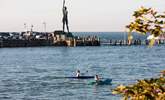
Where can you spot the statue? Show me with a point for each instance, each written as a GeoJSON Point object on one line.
{"type": "Point", "coordinates": [65, 17]}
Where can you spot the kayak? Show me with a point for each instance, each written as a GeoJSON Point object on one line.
{"type": "Point", "coordinates": [102, 82]}
{"type": "Point", "coordinates": [81, 77]}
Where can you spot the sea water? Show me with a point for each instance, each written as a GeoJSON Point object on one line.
{"type": "Point", "coordinates": [34, 73]}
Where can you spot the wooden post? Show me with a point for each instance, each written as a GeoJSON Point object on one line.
{"type": "Point", "coordinates": [130, 37]}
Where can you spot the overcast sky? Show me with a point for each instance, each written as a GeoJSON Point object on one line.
{"type": "Point", "coordinates": [84, 15]}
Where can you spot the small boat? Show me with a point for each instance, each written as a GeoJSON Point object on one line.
{"type": "Point", "coordinates": [81, 77]}
{"type": "Point", "coordinates": [102, 82]}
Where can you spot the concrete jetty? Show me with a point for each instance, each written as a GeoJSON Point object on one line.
{"type": "Point", "coordinates": [56, 38]}
{"type": "Point", "coordinates": [67, 39]}
{"type": "Point", "coordinates": [60, 38]}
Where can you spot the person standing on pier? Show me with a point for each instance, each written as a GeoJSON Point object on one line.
{"type": "Point", "coordinates": [65, 17]}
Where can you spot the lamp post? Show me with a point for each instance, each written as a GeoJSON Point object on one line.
{"type": "Point", "coordinates": [32, 28]}
{"type": "Point", "coordinates": [44, 24]}
{"type": "Point", "coordinates": [25, 27]}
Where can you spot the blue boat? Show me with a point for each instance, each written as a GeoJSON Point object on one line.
{"type": "Point", "coordinates": [81, 77]}
{"type": "Point", "coordinates": [102, 82]}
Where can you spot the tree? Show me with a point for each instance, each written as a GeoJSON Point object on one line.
{"type": "Point", "coordinates": [147, 20]}
{"type": "Point", "coordinates": [147, 89]}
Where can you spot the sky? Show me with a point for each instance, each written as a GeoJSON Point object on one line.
{"type": "Point", "coordinates": [83, 15]}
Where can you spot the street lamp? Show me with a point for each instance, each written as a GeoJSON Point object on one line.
{"type": "Point", "coordinates": [44, 23]}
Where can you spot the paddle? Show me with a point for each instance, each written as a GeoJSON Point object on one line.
{"type": "Point", "coordinates": [84, 73]}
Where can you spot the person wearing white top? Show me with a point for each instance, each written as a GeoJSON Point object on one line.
{"type": "Point", "coordinates": [97, 79]}
{"type": "Point", "coordinates": [78, 73]}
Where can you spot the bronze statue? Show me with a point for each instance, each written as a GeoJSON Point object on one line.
{"type": "Point", "coordinates": [65, 17]}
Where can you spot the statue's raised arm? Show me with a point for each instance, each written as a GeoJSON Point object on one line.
{"type": "Point", "coordinates": [63, 4]}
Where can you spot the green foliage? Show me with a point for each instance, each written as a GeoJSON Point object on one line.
{"type": "Point", "coordinates": [147, 89]}
{"type": "Point", "coordinates": [147, 20]}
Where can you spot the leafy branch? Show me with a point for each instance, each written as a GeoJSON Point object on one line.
{"type": "Point", "coordinates": [147, 20]}
{"type": "Point", "coordinates": [147, 89]}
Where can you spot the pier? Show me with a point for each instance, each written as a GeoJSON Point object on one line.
{"type": "Point", "coordinates": [133, 42]}
{"type": "Point", "coordinates": [56, 38]}
{"type": "Point", "coordinates": [67, 39]}
{"type": "Point", "coordinates": [60, 38]}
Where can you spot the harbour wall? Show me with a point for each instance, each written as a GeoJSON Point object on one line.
{"type": "Point", "coordinates": [56, 38]}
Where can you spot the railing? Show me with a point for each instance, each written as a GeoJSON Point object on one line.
{"type": "Point", "coordinates": [125, 42]}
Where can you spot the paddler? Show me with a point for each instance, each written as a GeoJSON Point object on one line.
{"type": "Point", "coordinates": [78, 73]}
{"type": "Point", "coordinates": [97, 79]}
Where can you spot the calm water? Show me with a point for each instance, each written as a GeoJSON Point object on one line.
{"type": "Point", "coordinates": [31, 73]}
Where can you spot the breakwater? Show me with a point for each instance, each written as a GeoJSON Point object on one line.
{"type": "Point", "coordinates": [24, 43]}
{"type": "Point", "coordinates": [57, 38]}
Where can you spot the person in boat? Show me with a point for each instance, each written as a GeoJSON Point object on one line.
{"type": "Point", "coordinates": [96, 78]}
{"type": "Point", "coordinates": [78, 73]}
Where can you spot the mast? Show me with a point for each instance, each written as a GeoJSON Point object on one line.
{"type": "Point", "coordinates": [44, 23]}
{"type": "Point", "coordinates": [25, 27]}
